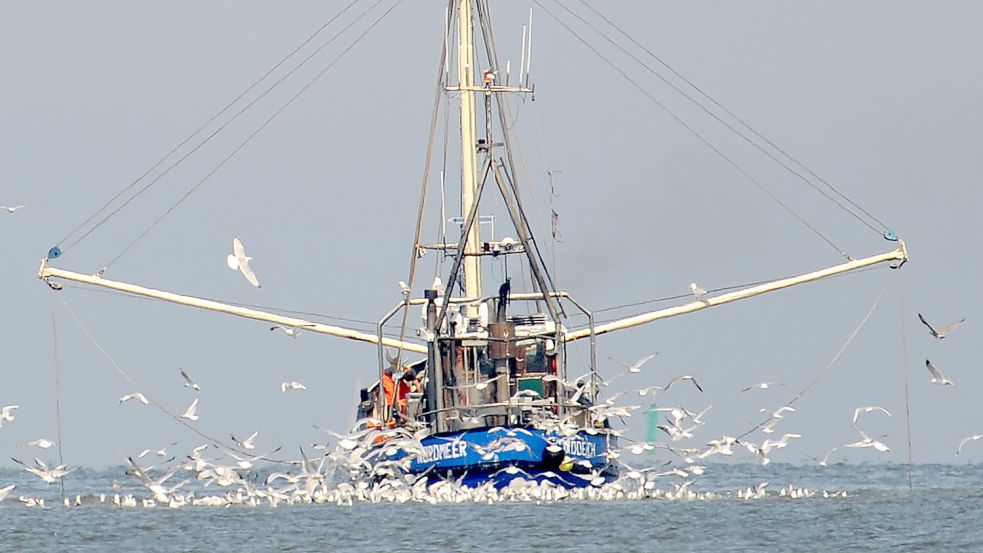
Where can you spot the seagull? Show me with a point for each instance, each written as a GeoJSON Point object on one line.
{"type": "Point", "coordinates": [188, 383]}
{"type": "Point", "coordinates": [869, 442]}
{"type": "Point", "coordinates": [937, 377]}
{"type": "Point", "coordinates": [11, 209]}
{"type": "Point", "coordinates": [292, 385]}
{"type": "Point", "coordinates": [867, 409]}
{"type": "Point", "coordinates": [404, 289]}
{"type": "Point", "coordinates": [826, 458]}
{"type": "Point", "coordinates": [681, 378]}
{"type": "Point", "coordinates": [760, 386]}
{"type": "Point", "coordinates": [137, 396]}
{"type": "Point", "coordinates": [972, 438]}
{"type": "Point", "coordinates": [190, 413]}
{"type": "Point", "coordinates": [248, 442]}
{"type": "Point", "coordinates": [293, 331]}
{"type": "Point", "coordinates": [5, 413]}
{"type": "Point", "coordinates": [637, 367]}
{"type": "Point", "coordinates": [43, 472]}
{"type": "Point", "coordinates": [42, 443]}
{"type": "Point", "coordinates": [700, 293]}
{"type": "Point", "coordinates": [5, 491]}
{"type": "Point", "coordinates": [238, 261]}
{"type": "Point", "coordinates": [940, 334]}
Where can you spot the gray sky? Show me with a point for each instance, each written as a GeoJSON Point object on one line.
{"type": "Point", "coordinates": [882, 99]}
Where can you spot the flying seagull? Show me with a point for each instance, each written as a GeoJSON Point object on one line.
{"type": "Point", "coordinates": [826, 458]}
{"type": "Point", "coordinates": [11, 209]}
{"type": "Point", "coordinates": [42, 443]}
{"type": "Point", "coordinates": [940, 334]}
{"type": "Point", "coordinates": [5, 413]}
{"type": "Point", "coordinates": [137, 396]}
{"type": "Point", "coordinates": [292, 385]}
{"type": "Point", "coordinates": [191, 413]}
{"type": "Point", "coordinates": [248, 442]}
{"type": "Point", "coordinates": [937, 377]}
{"type": "Point", "coordinates": [188, 383]}
{"type": "Point", "coordinates": [700, 293]}
{"type": "Point", "coordinates": [238, 261]}
{"type": "Point", "coordinates": [972, 438]}
{"type": "Point", "coordinates": [682, 377]}
{"type": "Point", "coordinates": [293, 331]}
{"type": "Point", "coordinates": [867, 409]}
{"type": "Point", "coordinates": [760, 386]}
{"type": "Point", "coordinates": [637, 367]}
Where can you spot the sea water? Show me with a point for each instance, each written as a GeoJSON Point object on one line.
{"type": "Point", "coordinates": [942, 510]}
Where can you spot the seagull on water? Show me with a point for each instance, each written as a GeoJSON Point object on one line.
{"type": "Point", "coordinates": [137, 396]}
{"type": "Point", "coordinates": [239, 261]}
{"type": "Point", "coordinates": [292, 385]}
{"type": "Point", "coordinates": [937, 377]}
{"type": "Point", "coordinates": [11, 209]}
{"type": "Point", "coordinates": [191, 412]}
{"type": "Point", "coordinates": [940, 334]}
{"type": "Point", "coordinates": [972, 438]}
{"type": "Point", "coordinates": [5, 413]}
{"type": "Point", "coordinates": [867, 409]}
{"type": "Point", "coordinates": [188, 383]}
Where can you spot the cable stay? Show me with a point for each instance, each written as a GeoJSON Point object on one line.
{"type": "Point", "coordinates": [57, 250]}
{"type": "Point", "coordinates": [692, 130]}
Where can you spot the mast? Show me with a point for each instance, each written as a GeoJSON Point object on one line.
{"type": "Point", "coordinates": [472, 262]}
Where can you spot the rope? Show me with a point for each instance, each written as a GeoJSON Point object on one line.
{"type": "Point", "coordinates": [149, 398]}
{"type": "Point", "coordinates": [198, 130]}
{"type": "Point", "coordinates": [832, 361]}
{"type": "Point", "coordinates": [418, 231]}
{"type": "Point", "coordinates": [263, 125]}
{"type": "Point", "coordinates": [695, 133]}
{"type": "Point", "coordinates": [904, 375]}
{"type": "Point", "coordinates": [57, 367]}
{"type": "Point", "coordinates": [743, 136]}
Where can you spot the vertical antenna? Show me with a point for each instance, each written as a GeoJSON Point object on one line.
{"type": "Point", "coordinates": [522, 57]}
{"type": "Point", "coordinates": [529, 49]}
{"type": "Point", "coordinates": [443, 210]}
{"type": "Point", "coordinates": [61, 458]}
{"type": "Point", "coordinates": [447, 44]}
{"type": "Point", "coordinates": [508, 69]}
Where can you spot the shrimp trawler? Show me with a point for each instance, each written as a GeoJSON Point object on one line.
{"type": "Point", "coordinates": [495, 401]}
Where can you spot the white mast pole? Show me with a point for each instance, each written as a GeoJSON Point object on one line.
{"type": "Point", "coordinates": [47, 272]}
{"type": "Point", "coordinates": [472, 263]}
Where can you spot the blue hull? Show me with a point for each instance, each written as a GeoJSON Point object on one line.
{"type": "Point", "coordinates": [500, 455]}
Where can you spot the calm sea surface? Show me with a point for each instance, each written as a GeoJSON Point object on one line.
{"type": "Point", "coordinates": [943, 512]}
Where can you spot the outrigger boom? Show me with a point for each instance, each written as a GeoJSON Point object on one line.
{"type": "Point", "coordinates": [45, 272]}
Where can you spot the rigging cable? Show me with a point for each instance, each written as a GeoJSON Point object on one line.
{"type": "Point", "coordinates": [198, 130]}
{"type": "Point", "coordinates": [832, 361]}
{"type": "Point", "coordinates": [258, 129]}
{"type": "Point", "coordinates": [904, 374]}
{"type": "Point", "coordinates": [736, 117]}
{"type": "Point", "coordinates": [57, 367]}
{"type": "Point", "coordinates": [157, 404]}
{"type": "Point", "coordinates": [695, 133]}
{"type": "Point", "coordinates": [418, 231]}
{"type": "Point", "coordinates": [727, 125]}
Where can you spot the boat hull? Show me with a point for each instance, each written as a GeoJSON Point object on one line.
{"type": "Point", "coordinates": [500, 455]}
